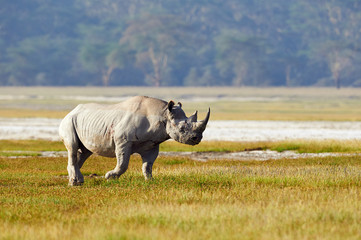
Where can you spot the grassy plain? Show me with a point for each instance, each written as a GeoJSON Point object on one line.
{"type": "Point", "coordinates": [308, 198]}
{"type": "Point", "coordinates": [284, 199]}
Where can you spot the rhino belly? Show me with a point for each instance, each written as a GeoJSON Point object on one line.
{"type": "Point", "coordinates": [100, 146]}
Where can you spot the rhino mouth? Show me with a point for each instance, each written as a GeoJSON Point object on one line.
{"type": "Point", "coordinates": [194, 140]}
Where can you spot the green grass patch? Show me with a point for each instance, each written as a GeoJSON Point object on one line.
{"type": "Point", "coordinates": [9, 147]}
{"type": "Point", "coordinates": [317, 146]}
{"type": "Point", "coordinates": [31, 145]}
{"type": "Point", "coordinates": [205, 146]}
{"type": "Point", "coordinates": [301, 146]}
{"type": "Point", "coordinates": [19, 154]}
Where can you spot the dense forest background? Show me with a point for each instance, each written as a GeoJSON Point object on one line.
{"type": "Point", "coordinates": [180, 42]}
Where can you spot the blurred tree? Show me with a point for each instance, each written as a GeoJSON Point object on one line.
{"type": "Point", "coordinates": [156, 40]}
{"type": "Point", "coordinates": [39, 42]}
{"type": "Point", "coordinates": [39, 61]}
{"type": "Point", "coordinates": [180, 42]}
{"type": "Point", "coordinates": [330, 33]}
{"type": "Point", "coordinates": [241, 57]}
{"type": "Point", "coordinates": [94, 51]}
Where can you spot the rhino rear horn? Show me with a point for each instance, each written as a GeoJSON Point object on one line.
{"type": "Point", "coordinates": [201, 125]}
{"type": "Point", "coordinates": [193, 117]}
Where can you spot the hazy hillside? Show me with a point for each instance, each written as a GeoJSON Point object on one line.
{"type": "Point", "coordinates": [180, 43]}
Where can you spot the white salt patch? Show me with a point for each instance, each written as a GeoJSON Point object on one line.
{"type": "Point", "coordinates": [281, 130]}
{"type": "Point", "coordinates": [44, 128]}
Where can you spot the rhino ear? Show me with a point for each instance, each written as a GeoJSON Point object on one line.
{"type": "Point", "coordinates": [180, 104]}
{"type": "Point", "coordinates": [170, 105]}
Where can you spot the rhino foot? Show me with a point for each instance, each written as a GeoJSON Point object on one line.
{"type": "Point", "coordinates": [75, 182]}
{"type": "Point", "coordinates": [111, 175]}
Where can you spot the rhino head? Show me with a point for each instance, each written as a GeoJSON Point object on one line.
{"type": "Point", "coordinates": [184, 129]}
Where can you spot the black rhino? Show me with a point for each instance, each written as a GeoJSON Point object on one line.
{"type": "Point", "coordinates": [137, 125]}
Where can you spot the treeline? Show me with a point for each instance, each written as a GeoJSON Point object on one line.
{"type": "Point", "coordinates": [180, 43]}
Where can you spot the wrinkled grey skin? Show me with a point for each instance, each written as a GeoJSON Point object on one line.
{"type": "Point", "coordinates": [137, 125]}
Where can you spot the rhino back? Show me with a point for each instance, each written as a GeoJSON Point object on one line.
{"type": "Point", "coordinates": [144, 105]}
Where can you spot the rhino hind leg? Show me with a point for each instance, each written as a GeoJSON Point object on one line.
{"type": "Point", "coordinates": [122, 152]}
{"type": "Point", "coordinates": [72, 144]}
{"type": "Point", "coordinates": [83, 154]}
{"type": "Point", "coordinates": [75, 176]}
{"type": "Point", "coordinates": [149, 158]}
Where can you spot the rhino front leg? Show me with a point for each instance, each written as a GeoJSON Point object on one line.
{"type": "Point", "coordinates": [122, 152]}
{"type": "Point", "coordinates": [148, 158]}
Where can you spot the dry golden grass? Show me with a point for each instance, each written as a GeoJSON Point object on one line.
{"type": "Point", "coordinates": [32, 113]}
{"type": "Point", "coordinates": [225, 103]}
{"type": "Point", "coordinates": [215, 115]}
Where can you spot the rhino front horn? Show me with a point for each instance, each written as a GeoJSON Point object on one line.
{"type": "Point", "coordinates": [201, 125]}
